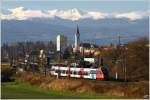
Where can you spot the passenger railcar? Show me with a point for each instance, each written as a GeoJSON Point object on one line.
{"type": "Point", "coordinates": [89, 73]}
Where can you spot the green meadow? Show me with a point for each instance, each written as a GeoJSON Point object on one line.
{"type": "Point", "coordinates": [17, 90]}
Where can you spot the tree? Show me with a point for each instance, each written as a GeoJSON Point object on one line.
{"type": "Point", "coordinates": [66, 54]}
{"type": "Point", "coordinates": [137, 56]}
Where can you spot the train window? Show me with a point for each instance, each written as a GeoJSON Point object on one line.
{"type": "Point", "coordinates": [57, 71]}
{"type": "Point", "coordinates": [63, 71]}
{"type": "Point", "coordinates": [85, 73]}
{"type": "Point", "coordinates": [67, 72]}
{"type": "Point", "coordinates": [75, 72]}
{"type": "Point", "coordinates": [80, 73]}
{"type": "Point", "coordinates": [71, 72]}
{"type": "Point", "coordinates": [52, 69]}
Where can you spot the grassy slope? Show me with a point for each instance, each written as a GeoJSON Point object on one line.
{"type": "Point", "coordinates": [17, 90]}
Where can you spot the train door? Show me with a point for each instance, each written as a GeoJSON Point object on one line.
{"type": "Point", "coordinates": [93, 74]}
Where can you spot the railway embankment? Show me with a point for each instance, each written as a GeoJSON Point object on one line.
{"type": "Point", "coordinates": [124, 89]}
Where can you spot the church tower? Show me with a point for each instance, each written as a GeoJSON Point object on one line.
{"type": "Point", "coordinates": [77, 39]}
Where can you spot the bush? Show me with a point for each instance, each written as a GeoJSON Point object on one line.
{"type": "Point", "coordinates": [137, 57]}
{"type": "Point", "coordinates": [7, 74]}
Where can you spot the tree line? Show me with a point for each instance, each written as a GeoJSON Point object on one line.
{"type": "Point", "coordinates": [131, 61]}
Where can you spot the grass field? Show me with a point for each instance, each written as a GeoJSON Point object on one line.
{"type": "Point", "coordinates": [17, 90]}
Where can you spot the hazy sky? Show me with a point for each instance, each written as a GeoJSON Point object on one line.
{"type": "Point", "coordinates": [101, 5]}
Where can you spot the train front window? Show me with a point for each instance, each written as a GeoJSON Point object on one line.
{"type": "Point", "coordinates": [95, 72]}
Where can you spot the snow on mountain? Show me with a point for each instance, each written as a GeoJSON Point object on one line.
{"type": "Point", "coordinates": [21, 13]}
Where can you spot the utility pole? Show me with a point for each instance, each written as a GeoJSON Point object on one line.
{"type": "Point", "coordinates": [125, 65]}
{"type": "Point", "coordinates": [69, 72]}
{"type": "Point", "coordinates": [24, 52]}
{"type": "Point", "coordinates": [119, 38]}
{"type": "Point", "coordinates": [83, 53]}
{"type": "Point", "coordinates": [125, 71]}
{"type": "Point", "coordinates": [119, 53]}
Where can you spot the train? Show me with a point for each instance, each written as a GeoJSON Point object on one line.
{"type": "Point", "coordinates": [87, 73]}
{"type": "Point", "coordinates": [78, 69]}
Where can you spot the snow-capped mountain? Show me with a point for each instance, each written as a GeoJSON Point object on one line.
{"type": "Point", "coordinates": [22, 24]}
{"type": "Point", "coordinates": [21, 13]}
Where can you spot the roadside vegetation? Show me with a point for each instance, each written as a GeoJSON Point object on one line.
{"type": "Point", "coordinates": [7, 73]}
{"type": "Point", "coordinates": [83, 86]}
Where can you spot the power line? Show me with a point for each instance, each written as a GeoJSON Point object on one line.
{"type": "Point", "coordinates": [113, 37]}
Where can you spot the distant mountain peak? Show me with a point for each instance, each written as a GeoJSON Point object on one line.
{"type": "Point", "coordinates": [22, 13]}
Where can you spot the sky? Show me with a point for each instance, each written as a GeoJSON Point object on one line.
{"type": "Point", "coordinates": [96, 5]}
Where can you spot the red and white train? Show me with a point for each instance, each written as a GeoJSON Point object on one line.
{"type": "Point", "coordinates": [88, 73]}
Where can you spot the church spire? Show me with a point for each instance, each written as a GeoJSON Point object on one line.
{"type": "Point", "coordinates": [78, 30]}
{"type": "Point", "coordinates": [77, 39]}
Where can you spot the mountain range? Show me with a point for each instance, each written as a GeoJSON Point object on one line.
{"type": "Point", "coordinates": [101, 30]}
